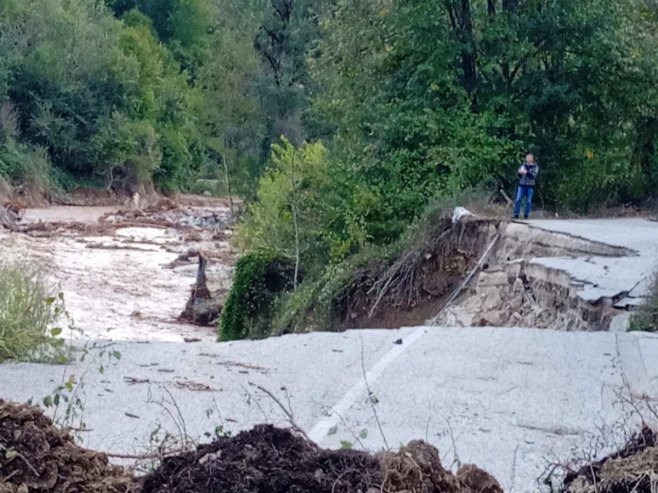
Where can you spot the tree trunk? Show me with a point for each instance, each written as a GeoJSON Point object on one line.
{"type": "Point", "coordinates": [228, 184]}
{"type": "Point", "coordinates": [510, 6]}
{"type": "Point", "coordinates": [461, 22]}
{"type": "Point", "coordinates": [295, 219]}
{"type": "Point", "coordinates": [469, 55]}
{"type": "Point", "coordinates": [202, 308]}
{"type": "Point", "coordinates": [8, 218]}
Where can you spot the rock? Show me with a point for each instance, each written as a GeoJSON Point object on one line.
{"type": "Point", "coordinates": [492, 301]}
{"type": "Point", "coordinates": [492, 280]}
{"type": "Point", "coordinates": [204, 312]}
{"type": "Point", "coordinates": [459, 213]}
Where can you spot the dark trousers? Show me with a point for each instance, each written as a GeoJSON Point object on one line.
{"type": "Point", "coordinates": [524, 191]}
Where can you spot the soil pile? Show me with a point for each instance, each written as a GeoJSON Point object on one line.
{"type": "Point", "coordinates": [37, 457]}
{"type": "Point", "coordinates": [633, 468]}
{"type": "Point", "coordinates": [267, 459]}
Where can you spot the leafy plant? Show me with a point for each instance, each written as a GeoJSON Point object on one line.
{"type": "Point", "coordinates": [258, 279]}
{"type": "Point", "coordinates": [30, 315]}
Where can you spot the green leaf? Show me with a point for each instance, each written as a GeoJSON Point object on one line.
{"type": "Point", "coordinates": [363, 434]}
{"type": "Point", "coordinates": [47, 401]}
{"type": "Point", "coordinates": [333, 430]}
{"type": "Point", "coordinates": [345, 445]}
{"type": "Point", "coordinates": [55, 332]}
{"type": "Point", "coordinates": [117, 355]}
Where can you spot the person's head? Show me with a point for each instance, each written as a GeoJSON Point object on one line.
{"type": "Point", "coordinates": [529, 158]}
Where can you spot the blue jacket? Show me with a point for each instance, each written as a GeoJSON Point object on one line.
{"type": "Point", "coordinates": [529, 179]}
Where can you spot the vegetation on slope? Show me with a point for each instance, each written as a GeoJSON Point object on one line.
{"type": "Point", "coordinates": [422, 100]}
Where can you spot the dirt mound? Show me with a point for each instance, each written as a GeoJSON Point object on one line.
{"type": "Point", "coordinates": [633, 468]}
{"type": "Point", "coordinates": [272, 460]}
{"type": "Point", "coordinates": [35, 456]}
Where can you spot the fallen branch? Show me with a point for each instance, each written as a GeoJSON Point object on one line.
{"type": "Point", "coordinates": [372, 399]}
{"type": "Point", "coordinates": [287, 412]}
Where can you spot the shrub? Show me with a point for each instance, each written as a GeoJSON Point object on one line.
{"type": "Point", "coordinates": [258, 280]}
{"type": "Point", "coordinates": [646, 317]}
{"type": "Point", "coordinates": [29, 313]}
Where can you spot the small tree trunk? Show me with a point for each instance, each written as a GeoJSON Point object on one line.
{"type": "Point", "coordinates": [228, 184]}
{"type": "Point", "coordinates": [8, 218]}
{"type": "Point", "coordinates": [295, 220]}
{"type": "Point", "coordinates": [201, 288]}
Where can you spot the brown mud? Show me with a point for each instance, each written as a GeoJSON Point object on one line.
{"type": "Point", "coordinates": [413, 288]}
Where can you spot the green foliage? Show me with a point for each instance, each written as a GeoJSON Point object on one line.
{"type": "Point", "coordinates": [97, 93]}
{"type": "Point", "coordinates": [30, 166]}
{"type": "Point", "coordinates": [257, 281]}
{"type": "Point", "coordinates": [427, 97]}
{"type": "Point", "coordinates": [29, 315]}
{"type": "Point", "coordinates": [645, 319]}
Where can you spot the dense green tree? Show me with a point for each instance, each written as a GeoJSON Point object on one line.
{"type": "Point", "coordinates": [184, 25]}
{"type": "Point", "coordinates": [428, 96]}
{"type": "Point", "coordinates": [98, 94]}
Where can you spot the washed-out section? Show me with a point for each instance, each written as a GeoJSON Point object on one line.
{"type": "Point", "coordinates": [540, 278]}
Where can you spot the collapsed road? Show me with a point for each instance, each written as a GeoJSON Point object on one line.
{"type": "Point", "coordinates": [511, 400]}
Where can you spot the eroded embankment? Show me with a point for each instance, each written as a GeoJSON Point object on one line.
{"type": "Point", "coordinates": [486, 272]}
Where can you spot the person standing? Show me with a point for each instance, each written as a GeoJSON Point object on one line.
{"type": "Point", "coordinates": [527, 178]}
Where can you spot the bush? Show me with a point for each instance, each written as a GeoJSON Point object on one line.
{"type": "Point", "coordinates": [258, 280]}
{"type": "Point", "coordinates": [29, 313]}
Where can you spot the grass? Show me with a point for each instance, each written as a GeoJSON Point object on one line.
{"type": "Point", "coordinates": [30, 311]}
{"type": "Point", "coordinates": [645, 319]}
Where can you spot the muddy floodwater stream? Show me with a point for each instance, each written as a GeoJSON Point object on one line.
{"type": "Point", "coordinates": [126, 275]}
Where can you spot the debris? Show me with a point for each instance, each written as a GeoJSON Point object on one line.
{"type": "Point", "coordinates": [185, 384]}
{"type": "Point", "coordinates": [134, 381]}
{"type": "Point", "coordinates": [632, 468]}
{"type": "Point", "coordinates": [267, 459]}
{"type": "Point", "coordinates": [191, 339]}
{"type": "Point", "coordinates": [35, 456]}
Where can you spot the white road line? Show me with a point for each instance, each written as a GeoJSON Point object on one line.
{"type": "Point", "coordinates": [321, 429]}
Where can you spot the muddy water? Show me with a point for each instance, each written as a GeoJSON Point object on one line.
{"type": "Point", "coordinates": [119, 283]}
